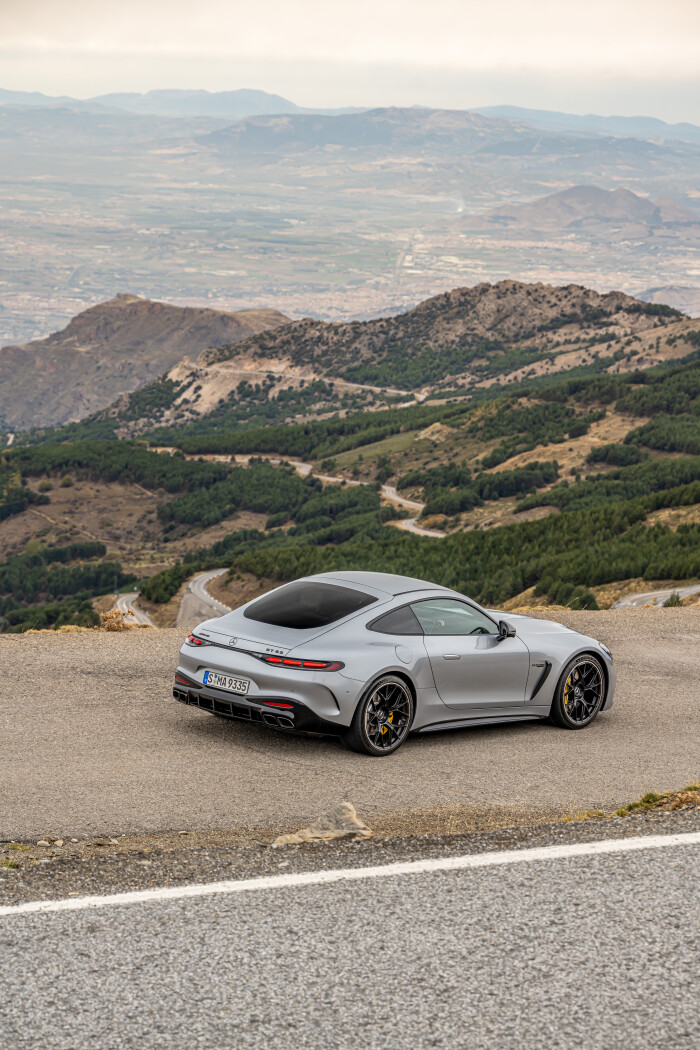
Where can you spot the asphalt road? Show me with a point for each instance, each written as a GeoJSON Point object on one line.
{"type": "Point", "coordinates": [655, 597]}
{"type": "Point", "coordinates": [93, 743]}
{"type": "Point", "coordinates": [410, 524]}
{"type": "Point", "coordinates": [197, 604]}
{"type": "Point", "coordinates": [594, 951]}
{"type": "Point", "coordinates": [128, 603]}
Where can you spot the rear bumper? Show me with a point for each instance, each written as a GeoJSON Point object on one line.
{"type": "Point", "coordinates": [296, 718]}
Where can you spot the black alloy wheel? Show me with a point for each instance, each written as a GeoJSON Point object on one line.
{"type": "Point", "coordinates": [383, 718]}
{"type": "Point", "coordinates": [580, 693]}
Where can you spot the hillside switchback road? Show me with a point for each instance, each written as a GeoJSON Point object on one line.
{"type": "Point", "coordinates": [127, 603]}
{"type": "Point", "coordinates": [197, 603]}
{"type": "Point", "coordinates": [92, 742]}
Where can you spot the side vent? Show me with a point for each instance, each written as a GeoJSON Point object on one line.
{"type": "Point", "coordinates": [541, 680]}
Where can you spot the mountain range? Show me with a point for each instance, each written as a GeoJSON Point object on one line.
{"type": "Point", "coordinates": [109, 350]}
{"type": "Point", "coordinates": [198, 362]}
{"type": "Point", "coordinates": [246, 102]}
{"type": "Point", "coordinates": [631, 127]}
{"type": "Point", "coordinates": [549, 432]}
{"type": "Point", "coordinates": [231, 105]}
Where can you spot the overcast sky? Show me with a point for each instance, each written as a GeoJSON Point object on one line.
{"type": "Point", "coordinates": [610, 56]}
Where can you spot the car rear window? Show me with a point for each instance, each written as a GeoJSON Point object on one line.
{"type": "Point", "coordinates": [302, 606]}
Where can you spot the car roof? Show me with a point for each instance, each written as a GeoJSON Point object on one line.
{"type": "Point", "coordinates": [387, 582]}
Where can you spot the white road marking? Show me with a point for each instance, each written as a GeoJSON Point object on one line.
{"type": "Point", "coordinates": [311, 878]}
{"type": "Point", "coordinates": [126, 603]}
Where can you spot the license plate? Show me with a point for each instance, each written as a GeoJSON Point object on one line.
{"type": "Point", "coordinates": [225, 681]}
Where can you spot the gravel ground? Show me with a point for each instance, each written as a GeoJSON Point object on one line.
{"type": "Point", "coordinates": [92, 743]}
{"type": "Point", "coordinates": [594, 952]}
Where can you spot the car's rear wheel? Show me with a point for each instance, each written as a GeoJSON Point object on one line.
{"type": "Point", "coordinates": [579, 694]}
{"type": "Point", "coordinates": [382, 719]}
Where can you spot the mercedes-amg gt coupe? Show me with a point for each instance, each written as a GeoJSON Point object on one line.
{"type": "Point", "coordinates": [372, 657]}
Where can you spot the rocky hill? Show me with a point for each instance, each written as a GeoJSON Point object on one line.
{"type": "Point", "coordinates": [113, 348]}
{"type": "Point", "coordinates": [466, 335]}
{"type": "Point", "coordinates": [585, 208]}
{"type": "Point", "coordinates": [462, 340]}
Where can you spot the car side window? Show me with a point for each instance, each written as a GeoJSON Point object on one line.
{"type": "Point", "coordinates": [448, 616]}
{"type": "Point", "coordinates": [399, 621]}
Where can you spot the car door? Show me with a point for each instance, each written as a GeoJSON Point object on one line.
{"type": "Point", "coordinates": [475, 669]}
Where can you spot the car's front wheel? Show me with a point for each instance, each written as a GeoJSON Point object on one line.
{"type": "Point", "coordinates": [383, 718]}
{"type": "Point", "coordinates": [580, 693]}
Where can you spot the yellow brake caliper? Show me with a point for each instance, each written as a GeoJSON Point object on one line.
{"type": "Point", "coordinates": [389, 719]}
{"type": "Point", "coordinates": [566, 690]}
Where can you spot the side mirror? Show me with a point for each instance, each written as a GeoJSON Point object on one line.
{"type": "Point", "coordinates": [505, 630]}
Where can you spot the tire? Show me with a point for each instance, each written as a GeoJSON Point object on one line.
{"type": "Point", "coordinates": [383, 718]}
{"type": "Point", "coordinates": [580, 693]}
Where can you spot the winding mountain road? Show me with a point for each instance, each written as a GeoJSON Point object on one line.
{"type": "Point", "coordinates": [409, 524]}
{"type": "Point", "coordinates": [126, 603]}
{"type": "Point", "coordinates": [197, 603]}
{"type": "Point", "coordinates": [634, 601]}
{"type": "Point", "coordinates": [388, 492]}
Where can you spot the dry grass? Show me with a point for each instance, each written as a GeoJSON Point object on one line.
{"type": "Point", "coordinates": [675, 516]}
{"type": "Point", "coordinates": [113, 620]}
{"type": "Point", "coordinates": [666, 802]}
{"type": "Point", "coordinates": [116, 620]}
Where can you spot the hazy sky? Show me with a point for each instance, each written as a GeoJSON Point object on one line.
{"type": "Point", "coordinates": [621, 56]}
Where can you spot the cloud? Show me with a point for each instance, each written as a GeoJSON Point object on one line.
{"type": "Point", "coordinates": [644, 39]}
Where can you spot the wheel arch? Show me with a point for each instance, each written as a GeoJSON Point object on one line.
{"type": "Point", "coordinates": [395, 672]}
{"type": "Point", "coordinates": [606, 671]}
{"type": "Point", "coordinates": [586, 652]}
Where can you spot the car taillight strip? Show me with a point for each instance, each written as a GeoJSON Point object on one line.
{"type": "Point", "coordinates": [303, 665]}
{"type": "Point", "coordinates": [192, 639]}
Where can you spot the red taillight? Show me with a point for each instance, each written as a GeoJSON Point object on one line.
{"type": "Point", "coordinates": [182, 681]}
{"type": "Point", "coordinates": [304, 665]}
{"type": "Point", "coordinates": [192, 639]}
{"type": "Point", "coordinates": [271, 703]}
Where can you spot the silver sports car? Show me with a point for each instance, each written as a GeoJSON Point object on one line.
{"type": "Point", "coordinates": [373, 657]}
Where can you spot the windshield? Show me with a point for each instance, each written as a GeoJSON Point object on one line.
{"type": "Point", "coordinates": [305, 605]}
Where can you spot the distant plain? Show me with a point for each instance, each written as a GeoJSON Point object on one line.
{"type": "Point", "coordinates": [353, 220]}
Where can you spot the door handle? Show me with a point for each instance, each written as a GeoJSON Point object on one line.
{"type": "Point", "coordinates": [451, 656]}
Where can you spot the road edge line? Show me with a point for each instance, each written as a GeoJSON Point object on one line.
{"type": "Point", "coordinates": [309, 878]}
